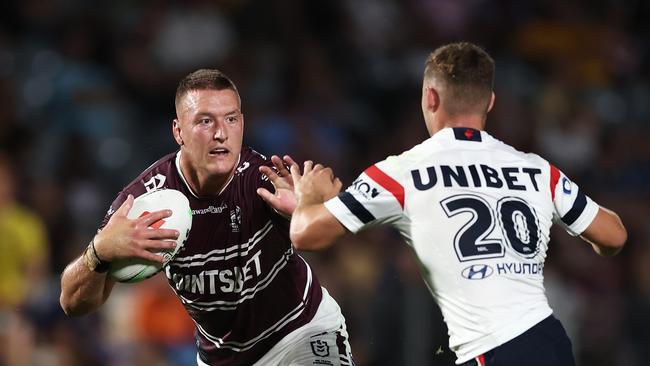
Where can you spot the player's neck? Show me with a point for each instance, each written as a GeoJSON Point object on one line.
{"type": "Point", "coordinates": [201, 183]}
{"type": "Point", "coordinates": [475, 121]}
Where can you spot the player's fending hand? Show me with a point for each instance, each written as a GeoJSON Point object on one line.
{"type": "Point", "coordinates": [128, 238]}
{"type": "Point", "coordinates": [316, 184]}
{"type": "Point", "coordinates": [284, 199]}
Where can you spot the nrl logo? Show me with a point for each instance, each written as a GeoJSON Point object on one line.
{"type": "Point", "coordinates": [320, 348]}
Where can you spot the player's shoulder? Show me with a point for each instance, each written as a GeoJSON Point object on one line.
{"type": "Point", "coordinates": [395, 165]}
{"type": "Point", "coordinates": [249, 162]}
{"type": "Point", "coordinates": [247, 172]}
{"type": "Point", "coordinates": [507, 149]}
{"type": "Point", "coordinates": [157, 175]}
{"type": "Point", "coordinates": [411, 156]}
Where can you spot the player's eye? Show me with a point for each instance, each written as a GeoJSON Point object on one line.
{"type": "Point", "coordinates": [232, 119]}
{"type": "Point", "coordinates": [205, 121]}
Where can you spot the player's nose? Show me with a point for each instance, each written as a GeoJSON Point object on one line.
{"type": "Point", "coordinates": [220, 134]}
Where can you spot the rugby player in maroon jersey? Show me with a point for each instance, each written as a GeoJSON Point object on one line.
{"type": "Point", "coordinates": [252, 298]}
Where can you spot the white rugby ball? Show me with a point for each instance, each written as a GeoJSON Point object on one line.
{"type": "Point", "coordinates": [138, 269]}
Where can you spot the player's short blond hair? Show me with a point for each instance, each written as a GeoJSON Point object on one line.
{"type": "Point", "coordinates": [465, 73]}
{"type": "Point", "coordinates": [204, 79]}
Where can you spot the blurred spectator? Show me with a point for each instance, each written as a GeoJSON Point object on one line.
{"type": "Point", "coordinates": [23, 270]}
{"type": "Point", "coordinates": [23, 244]}
{"type": "Point", "coordinates": [161, 322]}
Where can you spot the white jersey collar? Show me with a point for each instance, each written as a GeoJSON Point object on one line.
{"type": "Point", "coordinates": [180, 173]}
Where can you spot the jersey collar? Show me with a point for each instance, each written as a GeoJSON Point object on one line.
{"type": "Point", "coordinates": [460, 134]}
{"type": "Point", "coordinates": [180, 173]}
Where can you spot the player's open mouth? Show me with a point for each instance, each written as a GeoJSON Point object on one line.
{"type": "Point", "coordinates": [218, 152]}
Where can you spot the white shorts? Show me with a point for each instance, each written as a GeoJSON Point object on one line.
{"type": "Point", "coordinates": [321, 342]}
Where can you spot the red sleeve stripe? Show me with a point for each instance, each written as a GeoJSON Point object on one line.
{"type": "Point", "coordinates": [480, 360]}
{"type": "Point", "coordinates": [555, 177]}
{"type": "Point", "coordinates": [387, 182]}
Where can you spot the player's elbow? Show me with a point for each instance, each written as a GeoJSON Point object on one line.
{"type": "Point", "coordinates": [614, 242]}
{"type": "Point", "coordinates": [617, 240]}
{"type": "Point", "coordinates": [618, 235]}
{"type": "Point", "coordinates": [74, 307]}
{"type": "Point", "coordinates": [68, 306]}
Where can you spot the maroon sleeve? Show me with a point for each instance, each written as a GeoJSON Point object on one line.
{"type": "Point", "coordinates": [136, 188]}
{"type": "Point", "coordinates": [119, 200]}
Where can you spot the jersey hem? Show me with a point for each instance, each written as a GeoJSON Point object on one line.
{"type": "Point", "coordinates": [497, 339]}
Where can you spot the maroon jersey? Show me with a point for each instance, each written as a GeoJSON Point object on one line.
{"type": "Point", "coordinates": [237, 275]}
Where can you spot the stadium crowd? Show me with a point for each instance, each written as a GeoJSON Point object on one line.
{"type": "Point", "coordinates": [85, 104]}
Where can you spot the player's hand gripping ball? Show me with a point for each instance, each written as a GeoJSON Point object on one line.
{"type": "Point", "coordinates": [138, 269]}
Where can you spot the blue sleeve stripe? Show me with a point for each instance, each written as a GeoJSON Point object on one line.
{"type": "Point", "coordinates": [578, 208]}
{"type": "Point", "coordinates": [356, 207]}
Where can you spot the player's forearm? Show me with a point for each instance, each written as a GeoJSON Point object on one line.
{"type": "Point", "coordinates": [82, 290]}
{"type": "Point", "coordinates": [605, 251]}
{"type": "Point", "coordinates": [312, 227]}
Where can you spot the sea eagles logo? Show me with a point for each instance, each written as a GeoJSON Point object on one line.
{"type": "Point", "coordinates": [320, 348]}
{"type": "Point", "coordinates": [235, 219]}
{"type": "Point", "coordinates": [477, 272]}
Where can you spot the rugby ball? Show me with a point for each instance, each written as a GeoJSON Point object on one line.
{"type": "Point", "coordinates": [138, 269]}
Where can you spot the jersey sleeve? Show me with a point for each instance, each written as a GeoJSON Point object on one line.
{"type": "Point", "coordinates": [572, 209]}
{"type": "Point", "coordinates": [119, 200]}
{"type": "Point", "coordinates": [375, 197]}
{"type": "Point", "coordinates": [136, 190]}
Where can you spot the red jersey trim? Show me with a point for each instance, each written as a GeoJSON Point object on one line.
{"type": "Point", "coordinates": [387, 182]}
{"type": "Point", "coordinates": [555, 177]}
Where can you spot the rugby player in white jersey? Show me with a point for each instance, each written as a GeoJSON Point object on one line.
{"type": "Point", "coordinates": [477, 213]}
{"type": "Point", "coordinates": [253, 299]}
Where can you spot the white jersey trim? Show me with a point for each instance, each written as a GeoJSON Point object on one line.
{"type": "Point", "coordinates": [245, 345]}
{"type": "Point", "coordinates": [248, 293]}
{"type": "Point", "coordinates": [210, 256]}
{"type": "Point", "coordinates": [343, 214]}
{"type": "Point", "coordinates": [180, 173]}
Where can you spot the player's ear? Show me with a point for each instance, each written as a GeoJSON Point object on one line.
{"type": "Point", "coordinates": [432, 99]}
{"type": "Point", "coordinates": [492, 98]}
{"type": "Point", "coordinates": [176, 130]}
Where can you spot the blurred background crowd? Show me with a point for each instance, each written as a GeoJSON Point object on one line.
{"type": "Point", "coordinates": [86, 103]}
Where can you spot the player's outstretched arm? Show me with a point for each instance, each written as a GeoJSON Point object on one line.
{"type": "Point", "coordinates": [606, 233]}
{"type": "Point", "coordinates": [313, 227]}
{"type": "Point", "coordinates": [84, 290]}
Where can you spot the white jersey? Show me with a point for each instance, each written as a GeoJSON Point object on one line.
{"type": "Point", "coordinates": [477, 213]}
